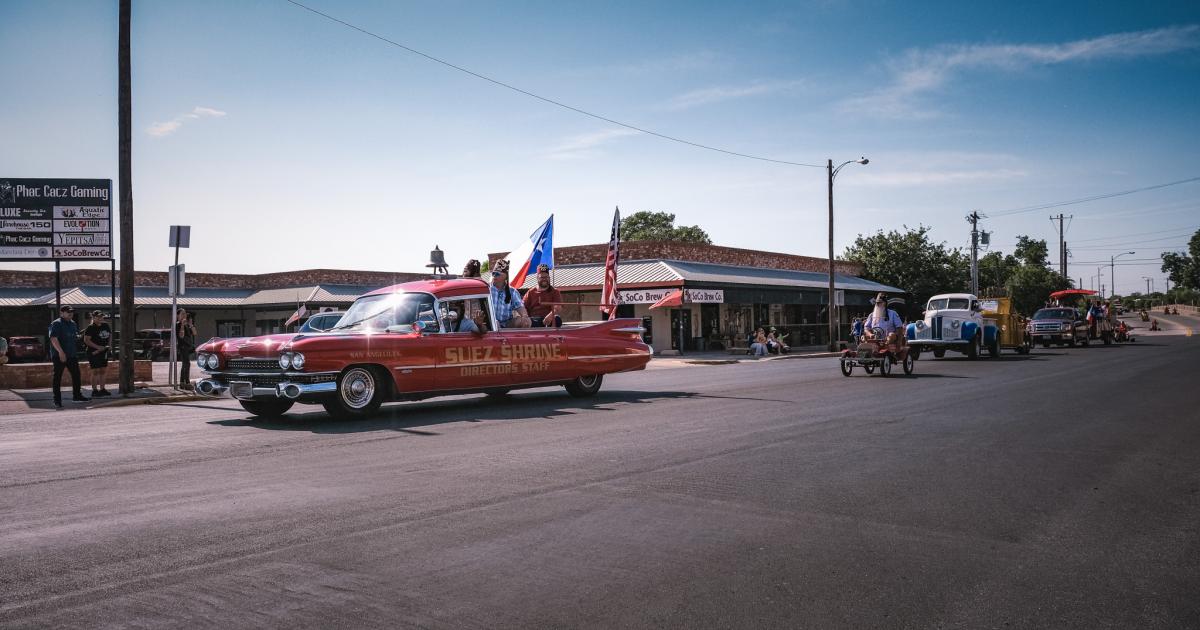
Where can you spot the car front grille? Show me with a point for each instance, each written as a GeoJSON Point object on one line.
{"type": "Point", "coordinates": [1049, 327]}
{"type": "Point", "coordinates": [937, 328]}
{"type": "Point", "coordinates": [273, 379]}
{"type": "Point", "coordinates": [254, 364]}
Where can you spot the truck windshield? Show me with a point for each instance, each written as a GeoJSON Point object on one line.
{"type": "Point", "coordinates": [1055, 313]}
{"type": "Point", "coordinates": [941, 304]}
{"type": "Point", "coordinates": [377, 312]}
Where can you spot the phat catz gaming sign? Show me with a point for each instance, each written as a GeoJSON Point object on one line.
{"type": "Point", "coordinates": [55, 219]}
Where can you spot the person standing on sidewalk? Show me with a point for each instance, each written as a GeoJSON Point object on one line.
{"type": "Point", "coordinates": [97, 338]}
{"type": "Point", "coordinates": [185, 343]}
{"type": "Point", "coordinates": [63, 333]}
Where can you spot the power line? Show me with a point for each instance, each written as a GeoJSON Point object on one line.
{"type": "Point", "coordinates": [543, 98]}
{"type": "Point", "coordinates": [1181, 230]}
{"type": "Point", "coordinates": [1003, 213]}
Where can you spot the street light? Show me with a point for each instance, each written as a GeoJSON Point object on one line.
{"type": "Point", "coordinates": [1112, 274]}
{"type": "Point", "coordinates": [833, 172]}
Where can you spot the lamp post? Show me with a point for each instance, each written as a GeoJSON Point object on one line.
{"type": "Point", "coordinates": [833, 172]}
{"type": "Point", "coordinates": [1112, 274]}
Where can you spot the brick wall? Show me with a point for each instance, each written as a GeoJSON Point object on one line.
{"type": "Point", "coordinates": [695, 252]}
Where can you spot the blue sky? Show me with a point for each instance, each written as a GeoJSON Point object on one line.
{"type": "Point", "coordinates": [289, 142]}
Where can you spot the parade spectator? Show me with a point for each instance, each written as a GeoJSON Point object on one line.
{"type": "Point", "coordinates": [775, 342]}
{"type": "Point", "coordinates": [471, 269]}
{"type": "Point", "coordinates": [509, 308]}
{"type": "Point", "coordinates": [543, 301]}
{"type": "Point", "coordinates": [185, 344]}
{"type": "Point", "coordinates": [97, 337]}
{"type": "Point", "coordinates": [759, 346]}
{"type": "Point", "coordinates": [63, 333]}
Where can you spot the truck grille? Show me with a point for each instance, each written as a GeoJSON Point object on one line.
{"type": "Point", "coordinates": [1049, 327]}
{"type": "Point", "coordinates": [254, 364]}
{"type": "Point", "coordinates": [936, 333]}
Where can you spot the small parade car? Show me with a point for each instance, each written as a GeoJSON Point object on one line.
{"type": "Point", "coordinates": [953, 321]}
{"type": "Point", "coordinates": [409, 342]}
{"type": "Point", "coordinates": [876, 353]}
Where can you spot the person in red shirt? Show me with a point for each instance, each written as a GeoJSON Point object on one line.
{"type": "Point", "coordinates": [544, 301]}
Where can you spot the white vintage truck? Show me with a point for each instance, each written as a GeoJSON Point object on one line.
{"type": "Point", "coordinates": [954, 321]}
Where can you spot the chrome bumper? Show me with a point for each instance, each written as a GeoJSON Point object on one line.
{"type": "Point", "coordinates": [244, 390]}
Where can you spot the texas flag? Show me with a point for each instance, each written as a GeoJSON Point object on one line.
{"type": "Point", "coordinates": [538, 250]}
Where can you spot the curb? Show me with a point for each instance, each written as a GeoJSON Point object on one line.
{"type": "Point", "coordinates": [150, 400]}
{"type": "Point", "coordinates": [785, 357]}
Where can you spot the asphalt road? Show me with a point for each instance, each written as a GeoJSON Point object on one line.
{"type": "Point", "coordinates": [1056, 490]}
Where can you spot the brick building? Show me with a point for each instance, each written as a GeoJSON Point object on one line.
{"type": "Point", "coordinates": [728, 292]}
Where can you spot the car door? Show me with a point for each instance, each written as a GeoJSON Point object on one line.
{"type": "Point", "coordinates": [470, 360]}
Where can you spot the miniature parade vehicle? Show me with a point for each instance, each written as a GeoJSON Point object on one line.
{"type": "Point", "coordinates": [953, 321]}
{"type": "Point", "coordinates": [413, 341]}
{"type": "Point", "coordinates": [878, 352]}
{"type": "Point", "coordinates": [1012, 329]}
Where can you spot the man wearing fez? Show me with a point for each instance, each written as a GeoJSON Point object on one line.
{"type": "Point", "coordinates": [544, 301]}
{"type": "Point", "coordinates": [506, 300]}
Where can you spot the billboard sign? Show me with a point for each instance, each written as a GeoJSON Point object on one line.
{"type": "Point", "coordinates": [55, 219]}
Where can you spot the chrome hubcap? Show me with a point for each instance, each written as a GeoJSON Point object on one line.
{"type": "Point", "coordinates": [358, 388]}
{"type": "Point", "coordinates": [587, 381]}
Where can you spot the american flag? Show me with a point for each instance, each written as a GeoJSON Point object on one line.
{"type": "Point", "coordinates": [609, 297]}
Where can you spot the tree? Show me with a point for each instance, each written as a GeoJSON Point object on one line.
{"type": "Point", "coordinates": [911, 261]}
{"type": "Point", "coordinates": [995, 269]}
{"type": "Point", "coordinates": [1031, 251]}
{"type": "Point", "coordinates": [660, 226]}
{"type": "Point", "coordinates": [1184, 269]}
{"type": "Point", "coordinates": [1031, 282]}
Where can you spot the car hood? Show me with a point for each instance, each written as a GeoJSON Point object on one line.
{"type": "Point", "coordinates": [956, 313]}
{"type": "Point", "coordinates": [266, 346]}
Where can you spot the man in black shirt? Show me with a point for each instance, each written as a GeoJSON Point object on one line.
{"type": "Point", "coordinates": [62, 353]}
{"type": "Point", "coordinates": [97, 338]}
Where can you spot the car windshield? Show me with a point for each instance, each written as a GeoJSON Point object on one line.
{"type": "Point", "coordinates": [1055, 313]}
{"type": "Point", "coordinates": [318, 323]}
{"type": "Point", "coordinates": [377, 312]}
{"type": "Point", "coordinates": [941, 304]}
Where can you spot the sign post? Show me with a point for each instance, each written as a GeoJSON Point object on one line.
{"type": "Point", "coordinates": [181, 236]}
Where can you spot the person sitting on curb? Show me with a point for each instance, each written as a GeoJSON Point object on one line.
{"type": "Point", "coordinates": [759, 346]}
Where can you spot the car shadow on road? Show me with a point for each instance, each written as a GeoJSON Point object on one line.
{"type": "Point", "coordinates": [411, 417]}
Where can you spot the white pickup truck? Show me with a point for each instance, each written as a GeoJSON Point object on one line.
{"type": "Point", "coordinates": [953, 321]}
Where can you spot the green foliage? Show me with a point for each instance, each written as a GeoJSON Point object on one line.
{"type": "Point", "coordinates": [660, 226]}
{"type": "Point", "coordinates": [911, 261]}
{"type": "Point", "coordinates": [1184, 269]}
{"type": "Point", "coordinates": [1030, 286]}
{"type": "Point", "coordinates": [994, 270]}
{"type": "Point", "coordinates": [1031, 251]}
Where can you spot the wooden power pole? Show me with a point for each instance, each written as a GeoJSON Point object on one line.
{"type": "Point", "coordinates": [125, 171]}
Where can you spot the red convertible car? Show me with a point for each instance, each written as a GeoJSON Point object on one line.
{"type": "Point", "coordinates": [413, 341]}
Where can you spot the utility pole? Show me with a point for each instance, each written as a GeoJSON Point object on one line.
{"type": "Point", "coordinates": [1062, 244]}
{"type": "Point", "coordinates": [833, 328]}
{"type": "Point", "coordinates": [973, 218]}
{"type": "Point", "coordinates": [125, 171]}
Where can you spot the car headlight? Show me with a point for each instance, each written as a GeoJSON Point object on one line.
{"type": "Point", "coordinates": [213, 362]}
{"type": "Point", "coordinates": [298, 361]}
{"type": "Point", "coordinates": [201, 360]}
{"type": "Point", "coordinates": [285, 360]}
{"type": "Point", "coordinates": [955, 324]}
{"type": "Point", "coordinates": [1065, 327]}
{"type": "Point", "coordinates": [920, 325]}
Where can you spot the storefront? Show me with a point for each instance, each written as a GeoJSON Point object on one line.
{"type": "Point", "coordinates": [722, 304]}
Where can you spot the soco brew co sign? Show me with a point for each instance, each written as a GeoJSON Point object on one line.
{"type": "Point", "coordinates": [650, 296]}
{"type": "Point", "coordinates": [55, 219]}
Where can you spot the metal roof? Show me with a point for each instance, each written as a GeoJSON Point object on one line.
{"type": "Point", "coordinates": [339, 293]}
{"type": "Point", "coordinates": [20, 296]}
{"type": "Point", "coordinates": [101, 296]}
{"type": "Point", "coordinates": [672, 272]}
{"type": "Point", "coordinates": [631, 272]}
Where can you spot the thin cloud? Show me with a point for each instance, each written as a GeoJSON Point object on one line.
{"type": "Point", "coordinates": [919, 72]}
{"type": "Point", "coordinates": [901, 179]}
{"type": "Point", "coordinates": [585, 145]}
{"type": "Point", "coordinates": [717, 94]}
{"type": "Point", "coordinates": [160, 129]}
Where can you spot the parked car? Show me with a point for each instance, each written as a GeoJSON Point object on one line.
{"type": "Point", "coordinates": [953, 321]}
{"type": "Point", "coordinates": [321, 322]}
{"type": "Point", "coordinates": [414, 341]}
{"type": "Point", "coordinates": [1061, 325]}
{"type": "Point", "coordinates": [152, 343]}
{"type": "Point", "coordinates": [26, 349]}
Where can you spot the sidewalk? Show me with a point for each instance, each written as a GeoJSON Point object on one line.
{"type": "Point", "coordinates": [15, 401]}
{"type": "Point", "coordinates": [724, 357]}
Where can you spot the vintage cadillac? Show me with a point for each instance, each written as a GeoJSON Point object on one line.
{"type": "Point", "coordinates": [404, 343]}
{"type": "Point", "coordinates": [953, 321]}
